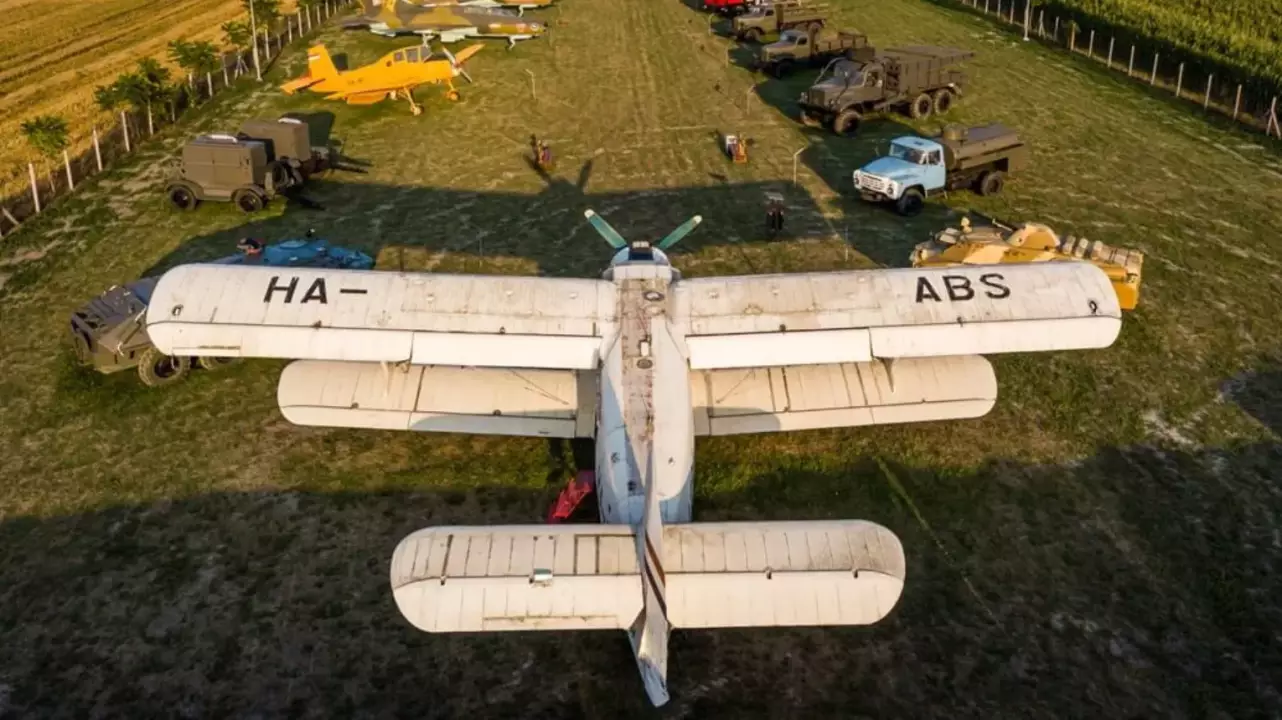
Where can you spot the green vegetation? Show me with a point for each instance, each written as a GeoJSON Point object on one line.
{"type": "Point", "coordinates": [1242, 36]}
{"type": "Point", "coordinates": [1103, 544]}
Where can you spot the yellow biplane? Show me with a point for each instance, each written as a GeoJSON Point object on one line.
{"type": "Point", "coordinates": [396, 73]}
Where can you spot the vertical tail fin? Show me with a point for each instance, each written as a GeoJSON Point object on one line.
{"type": "Point", "coordinates": [320, 66]}
{"type": "Point", "coordinates": [649, 633]}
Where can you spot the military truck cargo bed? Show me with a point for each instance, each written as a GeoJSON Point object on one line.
{"type": "Point", "coordinates": [979, 146]}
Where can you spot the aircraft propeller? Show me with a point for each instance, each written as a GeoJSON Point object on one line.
{"type": "Point", "coordinates": [455, 63]}
{"type": "Point", "coordinates": [617, 242]}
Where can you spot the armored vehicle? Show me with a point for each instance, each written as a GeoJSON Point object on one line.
{"type": "Point", "coordinates": [109, 333]}
{"type": "Point", "coordinates": [797, 48]}
{"type": "Point", "coordinates": [1032, 242]}
{"type": "Point", "coordinates": [918, 79]}
{"type": "Point", "coordinates": [777, 17]}
{"type": "Point", "coordinates": [917, 167]}
{"type": "Point", "coordinates": [289, 149]}
{"type": "Point", "coordinates": [228, 168]}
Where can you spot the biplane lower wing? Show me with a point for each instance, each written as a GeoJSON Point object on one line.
{"type": "Point", "coordinates": [715, 575]}
{"type": "Point", "coordinates": [484, 401]}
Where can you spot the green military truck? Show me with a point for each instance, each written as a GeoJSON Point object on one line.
{"type": "Point", "coordinates": [797, 48]}
{"type": "Point", "coordinates": [921, 80]}
{"type": "Point", "coordinates": [778, 17]}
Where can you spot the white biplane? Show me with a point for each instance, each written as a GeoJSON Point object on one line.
{"type": "Point", "coordinates": [643, 361]}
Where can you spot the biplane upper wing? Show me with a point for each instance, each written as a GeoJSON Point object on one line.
{"type": "Point", "coordinates": [380, 316]}
{"type": "Point", "coordinates": [841, 349]}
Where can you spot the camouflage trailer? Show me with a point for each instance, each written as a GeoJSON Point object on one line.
{"type": "Point", "coordinates": [226, 168]}
{"type": "Point", "coordinates": [109, 333]}
{"type": "Point", "coordinates": [797, 48]}
{"type": "Point", "coordinates": [289, 149]}
{"type": "Point", "coordinates": [920, 80]}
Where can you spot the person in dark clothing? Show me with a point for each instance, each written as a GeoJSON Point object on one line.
{"type": "Point", "coordinates": [774, 214]}
{"type": "Point", "coordinates": [253, 247]}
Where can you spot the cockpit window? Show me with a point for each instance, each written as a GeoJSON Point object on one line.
{"type": "Point", "coordinates": [907, 154]}
{"type": "Point", "coordinates": [412, 55]}
{"type": "Point", "coordinates": [399, 57]}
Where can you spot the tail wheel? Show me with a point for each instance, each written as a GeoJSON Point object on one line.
{"type": "Point", "coordinates": [846, 123]}
{"type": "Point", "coordinates": [991, 182]}
{"type": "Point", "coordinates": [248, 201]}
{"type": "Point", "coordinates": [910, 203]}
{"type": "Point", "coordinates": [183, 197]}
{"type": "Point", "coordinates": [452, 95]}
{"type": "Point", "coordinates": [943, 101]}
{"type": "Point", "coordinates": [157, 369]}
{"type": "Point", "coordinates": [921, 106]}
{"type": "Point", "coordinates": [206, 362]}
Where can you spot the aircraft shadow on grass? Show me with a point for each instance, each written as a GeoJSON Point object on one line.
{"type": "Point", "coordinates": [277, 603]}
{"type": "Point", "coordinates": [547, 228]}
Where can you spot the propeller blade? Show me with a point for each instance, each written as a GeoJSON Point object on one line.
{"type": "Point", "coordinates": [463, 72]}
{"type": "Point", "coordinates": [449, 55]}
{"type": "Point", "coordinates": [676, 235]}
{"type": "Point", "coordinates": [604, 230]}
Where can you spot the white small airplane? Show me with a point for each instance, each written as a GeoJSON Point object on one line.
{"type": "Point", "coordinates": [643, 361]}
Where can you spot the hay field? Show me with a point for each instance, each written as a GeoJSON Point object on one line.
{"type": "Point", "coordinates": [56, 53]}
{"type": "Point", "coordinates": [1103, 544]}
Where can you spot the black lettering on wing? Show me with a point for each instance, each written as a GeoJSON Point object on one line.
{"type": "Point", "coordinates": [274, 286]}
{"type": "Point", "coordinates": [924, 290]}
{"type": "Point", "coordinates": [958, 288]}
{"type": "Point", "coordinates": [997, 290]}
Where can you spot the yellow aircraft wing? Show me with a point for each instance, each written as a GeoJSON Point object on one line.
{"type": "Point", "coordinates": [359, 98]}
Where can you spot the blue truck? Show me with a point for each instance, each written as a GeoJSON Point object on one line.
{"type": "Point", "coordinates": [978, 158]}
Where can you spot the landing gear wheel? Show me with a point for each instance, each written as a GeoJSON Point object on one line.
{"type": "Point", "coordinates": [416, 110]}
{"type": "Point", "coordinates": [846, 122]}
{"type": "Point", "coordinates": [452, 95]}
{"type": "Point", "coordinates": [248, 201]}
{"type": "Point", "coordinates": [910, 203]}
{"type": "Point", "coordinates": [921, 106]}
{"type": "Point", "coordinates": [157, 369]}
{"type": "Point", "coordinates": [182, 197]}
{"type": "Point", "coordinates": [206, 362]}
{"type": "Point", "coordinates": [943, 101]}
{"type": "Point", "coordinates": [991, 182]}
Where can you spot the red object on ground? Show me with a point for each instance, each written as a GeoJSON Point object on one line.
{"type": "Point", "coordinates": [720, 5]}
{"type": "Point", "coordinates": [572, 496]}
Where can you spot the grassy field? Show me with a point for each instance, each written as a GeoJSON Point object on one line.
{"type": "Point", "coordinates": [1104, 544]}
{"type": "Point", "coordinates": [56, 53]}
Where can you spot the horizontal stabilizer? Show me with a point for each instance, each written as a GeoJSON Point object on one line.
{"type": "Point", "coordinates": [485, 401]}
{"type": "Point", "coordinates": [738, 574]}
{"type": "Point", "coordinates": [805, 397]}
{"type": "Point", "coordinates": [380, 316]}
{"type": "Point", "coordinates": [855, 316]}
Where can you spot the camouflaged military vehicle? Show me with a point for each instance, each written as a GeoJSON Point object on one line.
{"type": "Point", "coordinates": [918, 79]}
{"type": "Point", "coordinates": [797, 48]}
{"type": "Point", "coordinates": [289, 149]}
{"type": "Point", "coordinates": [778, 16]}
{"type": "Point", "coordinates": [227, 168]}
{"type": "Point", "coordinates": [109, 333]}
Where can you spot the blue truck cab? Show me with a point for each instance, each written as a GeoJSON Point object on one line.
{"type": "Point", "coordinates": [918, 167]}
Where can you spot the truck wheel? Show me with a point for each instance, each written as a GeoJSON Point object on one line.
{"type": "Point", "coordinates": [910, 203]}
{"type": "Point", "coordinates": [846, 123]}
{"type": "Point", "coordinates": [280, 174]}
{"type": "Point", "coordinates": [943, 101]}
{"type": "Point", "coordinates": [781, 68]}
{"type": "Point", "coordinates": [920, 108]}
{"type": "Point", "coordinates": [183, 197]}
{"type": "Point", "coordinates": [991, 182]}
{"type": "Point", "coordinates": [157, 369]}
{"type": "Point", "coordinates": [206, 362]}
{"type": "Point", "coordinates": [810, 120]}
{"type": "Point", "coordinates": [813, 28]}
{"type": "Point", "coordinates": [752, 35]}
{"type": "Point", "coordinates": [248, 201]}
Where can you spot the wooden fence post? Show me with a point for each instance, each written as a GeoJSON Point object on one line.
{"type": "Point", "coordinates": [1206, 101]}
{"type": "Point", "coordinates": [1041, 23]}
{"type": "Point", "coordinates": [1152, 80]}
{"type": "Point", "coordinates": [1130, 67]}
{"type": "Point", "coordinates": [66, 163]}
{"type": "Point", "coordinates": [209, 83]}
{"type": "Point", "coordinates": [1179, 81]}
{"type": "Point", "coordinates": [35, 191]}
{"type": "Point", "coordinates": [226, 81]}
{"type": "Point", "coordinates": [1055, 32]}
{"type": "Point", "coordinates": [97, 150]}
{"type": "Point", "coordinates": [1237, 103]}
{"type": "Point", "coordinates": [1072, 39]}
{"type": "Point", "coordinates": [985, 7]}
{"type": "Point", "coordinates": [124, 126]}
{"type": "Point", "coordinates": [1090, 46]}
{"type": "Point", "coordinates": [1273, 119]}
{"type": "Point", "coordinates": [1110, 53]}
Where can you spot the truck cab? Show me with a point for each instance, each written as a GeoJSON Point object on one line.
{"type": "Point", "coordinates": [912, 162]}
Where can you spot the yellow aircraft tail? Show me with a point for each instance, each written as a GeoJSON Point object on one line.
{"type": "Point", "coordinates": [320, 66]}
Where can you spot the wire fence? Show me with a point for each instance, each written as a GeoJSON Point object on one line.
{"type": "Point", "coordinates": [1251, 102]}
{"type": "Point", "coordinates": [131, 128]}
